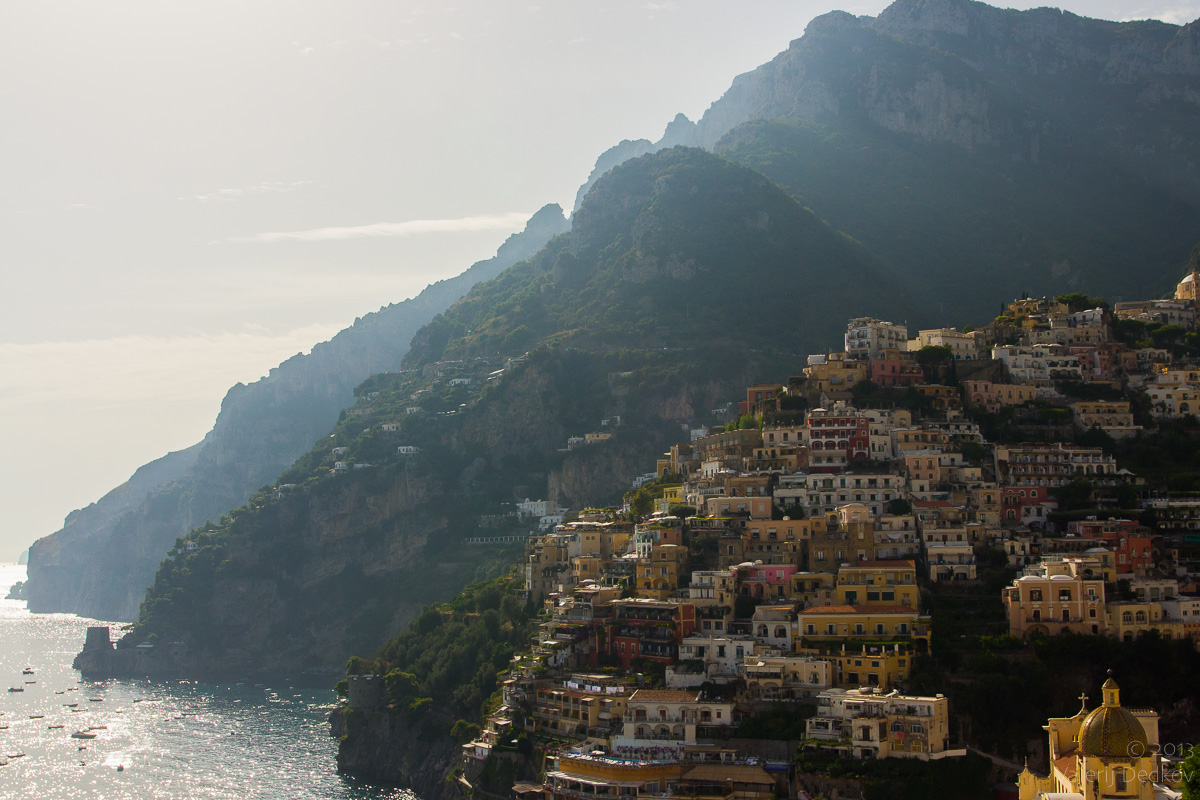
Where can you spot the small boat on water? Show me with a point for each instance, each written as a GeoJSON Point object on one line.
{"type": "Point", "coordinates": [27, 671]}
{"type": "Point", "coordinates": [29, 682]}
{"type": "Point", "coordinates": [83, 735]}
{"type": "Point", "coordinates": [53, 727]}
{"type": "Point", "coordinates": [97, 727]}
{"type": "Point", "coordinates": [37, 716]}
{"type": "Point", "coordinates": [16, 755]}
{"type": "Point", "coordinates": [95, 699]}
{"type": "Point", "coordinates": [70, 705]}
{"type": "Point", "coordinates": [16, 688]}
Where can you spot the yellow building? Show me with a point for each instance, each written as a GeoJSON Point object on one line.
{"type": "Point", "coordinates": [876, 584]}
{"type": "Point", "coordinates": [580, 713]}
{"type": "Point", "coordinates": [867, 665]}
{"type": "Point", "coordinates": [1066, 596]}
{"type": "Point", "coordinates": [1186, 288]}
{"type": "Point", "coordinates": [880, 624]}
{"type": "Point", "coordinates": [991, 397]}
{"type": "Point", "coordinates": [1128, 621]}
{"type": "Point", "coordinates": [547, 564]}
{"type": "Point", "coordinates": [1104, 754]}
{"type": "Point", "coordinates": [787, 677]}
{"type": "Point", "coordinates": [1113, 417]}
{"type": "Point", "coordinates": [571, 777]}
{"type": "Point", "coordinates": [658, 576]}
{"type": "Point", "coordinates": [585, 568]}
{"type": "Point", "coordinates": [837, 373]}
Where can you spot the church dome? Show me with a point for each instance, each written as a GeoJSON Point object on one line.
{"type": "Point", "coordinates": [1111, 731]}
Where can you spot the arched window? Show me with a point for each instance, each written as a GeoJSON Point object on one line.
{"type": "Point", "coordinates": [1127, 617]}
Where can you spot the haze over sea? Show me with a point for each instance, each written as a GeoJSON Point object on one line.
{"type": "Point", "coordinates": [153, 739]}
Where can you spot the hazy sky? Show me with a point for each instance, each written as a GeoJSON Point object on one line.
{"type": "Point", "coordinates": [193, 191]}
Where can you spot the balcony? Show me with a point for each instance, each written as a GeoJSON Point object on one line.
{"type": "Point", "coordinates": [676, 719]}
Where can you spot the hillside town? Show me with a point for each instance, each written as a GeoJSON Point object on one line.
{"type": "Point", "coordinates": [782, 561]}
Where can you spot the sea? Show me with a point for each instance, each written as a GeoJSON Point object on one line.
{"type": "Point", "coordinates": [153, 739]}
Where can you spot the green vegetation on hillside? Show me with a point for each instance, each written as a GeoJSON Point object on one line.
{"type": "Point", "coordinates": [680, 250]}
{"type": "Point", "coordinates": [453, 650]}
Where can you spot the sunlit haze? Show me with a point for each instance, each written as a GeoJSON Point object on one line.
{"type": "Point", "coordinates": [194, 192]}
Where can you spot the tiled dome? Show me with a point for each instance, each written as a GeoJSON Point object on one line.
{"type": "Point", "coordinates": [1111, 731]}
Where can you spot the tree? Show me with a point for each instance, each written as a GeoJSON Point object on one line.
{"type": "Point", "coordinates": [641, 502]}
{"type": "Point", "coordinates": [743, 606]}
{"type": "Point", "coordinates": [1078, 301]}
{"type": "Point", "coordinates": [1189, 770]}
{"type": "Point", "coordinates": [1074, 495]}
{"type": "Point", "coordinates": [934, 354]}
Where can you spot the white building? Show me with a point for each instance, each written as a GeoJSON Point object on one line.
{"type": "Point", "coordinates": [962, 345]}
{"type": "Point", "coordinates": [867, 337]}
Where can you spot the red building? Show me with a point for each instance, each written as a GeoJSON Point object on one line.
{"type": "Point", "coordinates": [895, 371]}
{"type": "Point", "coordinates": [641, 628]}
{"type": "Point", "coordinates": [1129, 541]}
{"type": "Point", "coordinates": [849, 434]}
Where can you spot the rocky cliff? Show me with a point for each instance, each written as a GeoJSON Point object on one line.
{"type": "Point", "coordinates": [973, 75]}
{"type": "Point", "coordinates": [101, 561]}
{"type": "Point", "coordinates": [397, 749]}
{"type": "Point", "coordinates": [1038, 150]}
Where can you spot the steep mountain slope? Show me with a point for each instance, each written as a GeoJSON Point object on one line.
{"type": "Point", "coordinates": [99, 564]}
{"type": "Point", "coordinates": [678, 249]}
{"type": "Point", "coordinates": [1035, 150]}
{"type": "Point", "coordinates": [684, 278]}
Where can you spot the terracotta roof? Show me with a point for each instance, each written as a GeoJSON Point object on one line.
{"type": "Point", "coordinates": [664, 696]}
{"type": "Point", "coordinates": [1066, 764]}
{"type": "Point", "coordinates": [830, 610]}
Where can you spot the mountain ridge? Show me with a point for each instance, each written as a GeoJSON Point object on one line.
{"type": "Point", "coordinates": [100, 562]}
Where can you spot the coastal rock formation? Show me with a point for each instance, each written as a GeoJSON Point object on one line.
{"type": "Point", "coordinates": [391, 748]}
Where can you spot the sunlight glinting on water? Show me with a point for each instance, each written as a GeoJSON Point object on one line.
{"type": "Point", "coordinates": [160, 740]}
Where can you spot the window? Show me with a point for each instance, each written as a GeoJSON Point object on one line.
{"type": "Point", "coordinates": [1035, 595]}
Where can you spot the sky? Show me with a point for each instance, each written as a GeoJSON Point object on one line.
{"type": "Point", "coordinates": [194, 191]}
